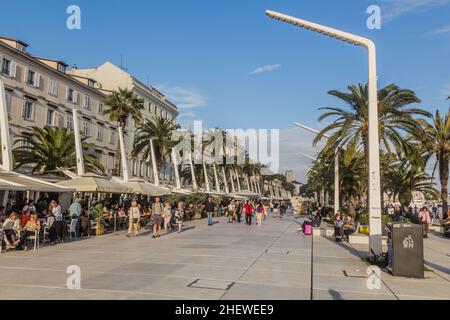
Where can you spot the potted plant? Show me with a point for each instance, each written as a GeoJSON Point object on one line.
{"type": "Point", "coordinates": [363, 220]}
{"type": "Point", "coordinates": [97, 212]}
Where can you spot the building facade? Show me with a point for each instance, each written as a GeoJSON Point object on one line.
{"type": "Point", "coordinates": [108, 78]}
{"type": "Point", "coordinates": [41, 92]}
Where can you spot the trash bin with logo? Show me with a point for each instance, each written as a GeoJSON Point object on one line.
{"type": "Point", "coordinates": [407, 250]}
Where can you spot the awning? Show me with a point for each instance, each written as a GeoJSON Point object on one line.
{"type": "Point", "coordinates": [95, 183]}
{"type": "Point", "coordinates": [247, 193]}
{"type": "Point", "coordinates": [26, 183]}
{"type": "Point", "coordinates": [140, 186]}
{"type": "Point", "coordinates": [7, 185]}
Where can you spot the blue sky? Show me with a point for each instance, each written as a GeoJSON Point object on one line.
{"type": "Point", "coordinates": [205, 54]}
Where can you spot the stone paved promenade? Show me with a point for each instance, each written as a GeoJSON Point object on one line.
{"type": "Point", "coordinates": [220, 262]}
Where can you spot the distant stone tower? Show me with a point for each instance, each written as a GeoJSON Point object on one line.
{"type": "Point", "coordinates": [289, 175]}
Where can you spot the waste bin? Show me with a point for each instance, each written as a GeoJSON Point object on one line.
{"type": "Point", "coordinates": [407, 250]}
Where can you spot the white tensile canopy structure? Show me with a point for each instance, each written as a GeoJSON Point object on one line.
{"type": "Point", "coordinates": [140, 186]}
{"type": "Point", "coordinates": [95, 183]}
{"type": "Point", "coordinates": [21, 182]}
{"type": "Point", "coordinates": [8, 185]}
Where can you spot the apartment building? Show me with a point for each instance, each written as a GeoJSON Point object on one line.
{"type": "Point", "coordinates": [109, 77]}
{"type": "Point", "coordinates": [39, 92]}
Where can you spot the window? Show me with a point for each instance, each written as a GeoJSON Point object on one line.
{"type": "Point", "coordinates": [61, 68]}
{"type": "Point", "coordinates": [100, 108]}
{"type": "Point", "coordinates": [28, 110]}
{"type": "Point", "coordinates": [6, 67]}
{"type": "Point", "coordinates": [20, 47]}
{"type": "Point", "coordinates": [100, 132]}
{"type": "Point", "coordinates": [50, 116]}
{"type": "Point", "coordinates": [112, 136]}
{"type": "Point", "coordinates": [87, 102]}
{"type": "Point", "coordinates": [31, 77]}
{"type": "Point", "coordinates": [69, 121]}
{"type": "Point", "coordinates": [72, 95]}
{"type": "Point", "coordinates": [98, 154]}
{"type": "Point", "coordinates": [91, 83]}
{"type": "Point", "coordinates": [86, 127]}
{"type": "Point", "coordinates": [53, 87]}
{"type": "Point", "coordinates": [110, 162]}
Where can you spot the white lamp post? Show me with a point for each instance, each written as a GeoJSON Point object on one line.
{"type": "Point", "coordinates": [374, 203]}
{"type": "Point", "coordinates": [191, 165]}
{"type": "Point", "coordinates": [7, 160]}
{"type": "Point", "coordinates": [78, 146]}
{"type": "Point", "coordinates": [224, 175]}
{"type": "Point", "coordinates": [336, 168]}
{"type": "Point", "coordinates": [154, 166]}
{"type": "Point", "coordinates": [177, 173]}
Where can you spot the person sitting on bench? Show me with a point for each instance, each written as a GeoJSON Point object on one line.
{"type": "Point", "coordinates": [11, 227]}
{"type": "Point", "coordinates": [338, 227]}
{"type": "Point", "coordinates": [349, 226]}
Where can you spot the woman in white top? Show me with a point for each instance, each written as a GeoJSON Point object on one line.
{"type": "Point", "coordinates": [55, 210]}
{"type": "Point", "coordinates": [167, 216]}
{"type": "Point", "coordinates": [134, 215]}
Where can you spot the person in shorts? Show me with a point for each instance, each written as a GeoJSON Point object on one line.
{"type": "Point", "coordinates": [157, 216]}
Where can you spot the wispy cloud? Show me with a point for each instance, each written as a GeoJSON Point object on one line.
{"type": "Point", "coordinates": [446, 91]}
{"type": "Point", "coordinates": [440, 31]}
{"type": "Point", "coordinates": [392, 9]}
{"type": "Point", "coordinates": [293, 142]}
{"type": "Point", "coordinates": [266, 68]}
{"type": "Point", "coordinates": [184, 98]}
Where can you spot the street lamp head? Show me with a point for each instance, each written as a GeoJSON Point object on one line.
{"type": "Point", "coordinates": [327, 31]}
{"type": "Point", "coordinates": [310, 129]}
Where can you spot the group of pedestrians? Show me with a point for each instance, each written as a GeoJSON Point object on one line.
{"type": "Point", "coordinates": [162, 216]}
{"type": "Point", "coordinates": [249, 209]}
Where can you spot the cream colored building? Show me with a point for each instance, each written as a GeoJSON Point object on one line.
{"type": "Point", "coordinates": [40, 91]}
{"type": "Point", "coordinates": [110, 77]}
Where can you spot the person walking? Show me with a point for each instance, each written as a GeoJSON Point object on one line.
{"type": "Point", "coordinates": [55, 210]}
{"type": "Point", "coordinates": [179, 215]}
{"type": "Point", "coordinates": [238, 211]}
{"type": "Point", "coordinates": [231, 211]}
{"type": "Point", "coordinates": [134, 216]}
{"type": "Point", "coordinates": [259, 213]}
{"type": "Point", "coordinates": [167, 216]}
{"type": "Point", "coordinates": [209, 208]}
{"type": "Point", "coordinates": [157, 216]}
{"type": "Point", "coordinates": [248, 212]}
{"type": "Point", "coordinates": [425, 219]}
{"type": "Point", "coordinates": [75, 213]}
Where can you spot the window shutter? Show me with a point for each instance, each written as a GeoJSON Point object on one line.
{"type": "Point", "coordinates": [67, 92]}
{"type": "Point", "coordinates": [33, 108]}
{"type": "Point", "coordinates": [37, 80]}
{"type": "Point", "coordinates": [1, 62]}
{"type": "Point", "coordinates": [25, 74]}
{"type": "Point", "coordinates": [75, 97]}
{"type": "Point", "coordinates": [13, 69]}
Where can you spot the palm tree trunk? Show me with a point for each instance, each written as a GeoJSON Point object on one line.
{"type": "Point", "coordinates": [443, 174]}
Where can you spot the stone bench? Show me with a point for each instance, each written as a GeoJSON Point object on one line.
{"type": "Point", "coordinates": [363, 239]}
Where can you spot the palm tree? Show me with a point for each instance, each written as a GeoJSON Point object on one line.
{"type": "Point", "coordinates": [436, 141]}
{"type": "Point", "coordinates": [121, 105]}
{"type": "Point", "coordinates": [49, 148]}
{"type": "Point", "coordinates": [404, 178]}
{"type": "Point", "coordinates": [352, 175]}
{"type": "Point", "coordinates": [159, 130]}
{"type": "Point", "coordinates": [395, 118]}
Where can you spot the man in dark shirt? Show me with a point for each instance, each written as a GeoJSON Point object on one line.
{"type": "Point", "coordinates": [209, 208]}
